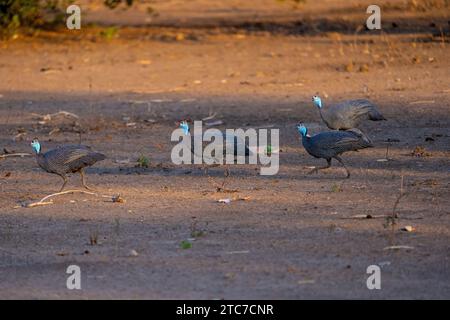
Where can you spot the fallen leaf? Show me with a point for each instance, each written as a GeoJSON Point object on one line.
{"type": "Point", "coordinates": [408, 228]}
{"type": "Point", "coordinates": [420, 152]}
{"type": "Point", "coordinates": [118, 199]}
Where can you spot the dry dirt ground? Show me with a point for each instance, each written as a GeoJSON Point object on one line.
{"type": "Point", "coordinates": [296, 235]}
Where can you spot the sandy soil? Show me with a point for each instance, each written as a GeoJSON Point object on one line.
{"type": "Point", "coordinates": [296, 235]}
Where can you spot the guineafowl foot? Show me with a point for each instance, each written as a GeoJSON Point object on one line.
{"type": "Point", "coordinates": [88, 188]}
{"type": "Point", "coordinates": [316, 169]}
{"type": "Point", "coordinates": [83, 181]}
{"type": "Point", "coordinates": [342, 162]}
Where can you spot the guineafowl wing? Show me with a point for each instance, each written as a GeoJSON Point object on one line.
{"type": "Point", "coordinates": [79, 158]}
{"type": "Point", "coordinates": [361, 109]}
{"type": "Point", "coordinates": [76, 154]}
{"type": "Point", "coordinates": [353, 110]}
{"type": "Point", "coordinates": [362, 136]}
{"type": "Point", "coordinates": [71, 158]}
{"type": "Point", "coordinates": [337, 142]}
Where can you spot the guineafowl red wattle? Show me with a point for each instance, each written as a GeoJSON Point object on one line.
{"type": "Point", "coordinates": [66, 159]}
{"type": "Point", "coordinates": [347, 114]}
{"type": "Point", "coordinates": [331, 144]}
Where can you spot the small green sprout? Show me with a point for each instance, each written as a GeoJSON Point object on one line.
{"type": "Point", "coordinates": [185, 244]}
{"type": "Point", "coordinates": [143, 162]}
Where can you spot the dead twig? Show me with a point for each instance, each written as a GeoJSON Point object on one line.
{"type": "Point", "coordinates": [391, 220]}
{"type": "Point", "coordinates": [49, 116]}
{"type": "Point", "coordinates": [210, 117]}
{"type": "Point", "coordinates": [43, 201]}
{"type": "Point", "coordinates": [379, 216]}
{"type": "Point", "coordinates": [365, 216]}
{"type": "Point", "coordinates": [398, 247]}
{"type": "Point", "coordinates": [221, 187]}
{"type": "Point", "coordinates": [2, 156]}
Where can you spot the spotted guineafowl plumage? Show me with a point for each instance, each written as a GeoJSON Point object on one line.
{"type": "Point", "coordinates": [348, 114]}
{"type": "Point", "coordinates": [331, 144]}
{"type": "Point", "coordinates": [66, 159]}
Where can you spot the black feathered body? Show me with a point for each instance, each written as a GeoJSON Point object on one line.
{"type": "Point", "coordinates": [349, 114]}
{"type": "Point", "coordinates": [330, 144]}
{"type": "Point", "coordinates": [68, 159]}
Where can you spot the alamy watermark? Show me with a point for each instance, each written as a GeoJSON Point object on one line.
{"type": "Point", "coordinates": [74, 19]}
{"type": "Point", "coordinates": [373, 22]}
{"type": "Point", "coordinates": [251, 146]}
{"type": "Point", "coordinates": [374, 280]}
{"type": "Point", "coordinates": [74, 280]}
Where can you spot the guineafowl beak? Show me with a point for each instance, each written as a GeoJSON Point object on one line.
{"type": "Point", "coordinates": [36, 146]}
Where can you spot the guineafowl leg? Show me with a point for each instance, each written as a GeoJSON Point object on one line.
{"type": "Point", "coordinates": [64, 184]}
{"type": "Point", "coordinates": [342, 162]}
{"type": "Point", "coordinates": [83, 181]}
{"type": "Point", "coordinates": [316, 169]}
{"type": "Point", "coordinates": [205, 170]}
{"type": "Point", "coordinates": [226, 175]}
{"type": "Point", "coordinates": [227, 172]}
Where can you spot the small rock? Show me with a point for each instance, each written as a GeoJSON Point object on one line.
{"type": "Point", "coordinates": [133, 253]}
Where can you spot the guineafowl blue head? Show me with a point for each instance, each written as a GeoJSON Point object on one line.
{"type": "Point", "coordinates": [36, 146]}
{"type": "Point", "coordinates": [317, 101]}
{"type": "Point", "coordinates": [302, 129]}
{"type": "Point", "coordinates": [185, 126]}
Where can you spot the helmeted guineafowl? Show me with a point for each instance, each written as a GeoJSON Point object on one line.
{"type": "Point", "coordinates": [348, 114]}
{"type": "Point", "coordinates": [66, 159]}
{"type": "Point", "coordinates": [331, 144]}
{"type": "Point", "coordinates": [238, 145]}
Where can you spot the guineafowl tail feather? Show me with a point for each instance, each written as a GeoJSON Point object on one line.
{"type": "Point", "coordinates": [375, 115]}
{"type": "Point", "coordinates": [97, 156]}
{"type": "Point", "coordinates": [365, 141]}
